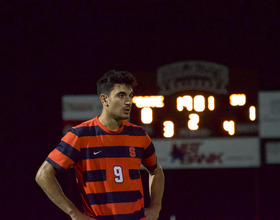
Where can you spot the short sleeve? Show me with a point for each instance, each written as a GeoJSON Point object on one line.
{"type": "Point", "coordinates": [67, 152]}
{"type": "Point", "coordinates": [149, 156]}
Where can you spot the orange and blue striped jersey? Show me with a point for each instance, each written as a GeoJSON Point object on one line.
{"type": "Point", "coordinates": [107, 165]}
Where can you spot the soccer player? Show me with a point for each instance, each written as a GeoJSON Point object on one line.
{"type": "Point", "coordinates": [106, 153]}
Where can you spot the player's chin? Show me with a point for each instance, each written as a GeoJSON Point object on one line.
{"type": "Point", "coordinates": [125, 116]}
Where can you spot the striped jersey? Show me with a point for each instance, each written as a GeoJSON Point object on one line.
{"type": "Point", "coordinates": [107, 166]}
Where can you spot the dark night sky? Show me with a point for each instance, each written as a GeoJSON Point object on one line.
{"type": "Point", "coordinates": [58, 44]}
{"type": "Point", "coordinates": [51, 48]}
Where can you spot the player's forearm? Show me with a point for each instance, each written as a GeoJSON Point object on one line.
{"type": "Point", "coordinates": [156, 183]}
{"type": "Point", "coordinates": [48, 182]}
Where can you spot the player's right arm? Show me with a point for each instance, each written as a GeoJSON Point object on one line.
{"type": "Point", "coordinates": [46, 178]}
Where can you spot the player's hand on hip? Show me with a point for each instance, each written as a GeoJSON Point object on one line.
{"type": "Point", "coordinates": [151, 213]}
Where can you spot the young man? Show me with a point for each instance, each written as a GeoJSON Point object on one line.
{"type": "Point", "coordinates": [106, 153]}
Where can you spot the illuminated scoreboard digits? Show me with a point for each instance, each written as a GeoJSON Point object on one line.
{"type": "Point", "coordinates": [200, 99]}
{"type": "Point", "coordinates": [168, 129]}
{"type": "Point", "coordinates": [192, 110]}
{"type": "Point", "coordinates": [146, 103]}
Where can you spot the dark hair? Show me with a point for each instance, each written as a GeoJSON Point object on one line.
{"type": "Point", "coordinates": [106, 83]}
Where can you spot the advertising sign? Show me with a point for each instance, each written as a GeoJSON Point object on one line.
{"type": "Point", "coordinates": [208, 153]}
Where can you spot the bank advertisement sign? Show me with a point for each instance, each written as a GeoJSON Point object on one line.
{"type": "Point", "coordinates": [208, 153]}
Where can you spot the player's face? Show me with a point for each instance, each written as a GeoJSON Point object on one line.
{"type": "Point", "coordinates": [120, 101]}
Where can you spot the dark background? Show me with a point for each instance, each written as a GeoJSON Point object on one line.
{"type": "Point", "coordinates": [52, 48]}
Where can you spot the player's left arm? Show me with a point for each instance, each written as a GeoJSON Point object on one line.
{"type": "Point", "coordinates": [156, 189]}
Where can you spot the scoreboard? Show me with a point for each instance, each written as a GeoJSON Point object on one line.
{"type": "Point", "coordinates": [199, 99]}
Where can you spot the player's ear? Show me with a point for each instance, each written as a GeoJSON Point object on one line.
{"type": "Point", "coordinates": [103, 99]}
